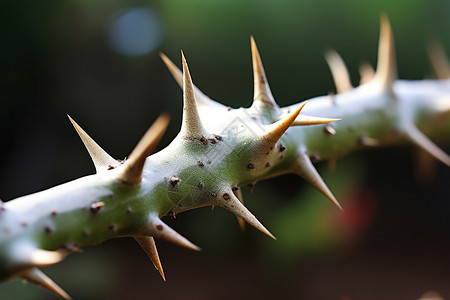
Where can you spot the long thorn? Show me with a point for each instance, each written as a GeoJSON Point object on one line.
{"type": "Point", "coordinates": [230, 202]}
{"type": "Point", "coordinates": [35, 276]}
{"type": "Point", "coordinates": [339, 71]}
{"type": "Point", "coordinates": [261, 90]}
{"type": "Point", "coordinates": [159, 229]}
{"type": "Point", "coordinates": [201, 98]}
{"type": "Point", "coordinates": [192, 127]}
{"type": "Point", "coordinates": [238, 194]}
{"type": "Point", "coordinates": [132, 169]}
{"type": "Point", "coordinates": [421, 140]}
{"type": "Point", "coordinates": [304, 120]}
{"type": "Point", "coordinates": [277, 129]}
{"type": "Point", "coordinates": [386, 69]}
{"type": "Point", "coordinates": [102, 160]}
{"type": "Point", "coordinates": [148, 244]}
{"type": "Point", "coordinates": [439, 61]}
{"type": "Point", "coordinates": [305, 169]}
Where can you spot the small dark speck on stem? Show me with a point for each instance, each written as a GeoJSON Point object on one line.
{"type": "Point", "coordinates": [315, 158]}
{"type": "Point", "coordinates": [95, 207]}
{"type": "Point", "coordinates": [174, 180]}
{"type": "Point", "coordinates": [48, 229]}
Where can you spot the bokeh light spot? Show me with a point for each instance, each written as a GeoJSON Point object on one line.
{"type": "Point", "coordinates": [136, 31]}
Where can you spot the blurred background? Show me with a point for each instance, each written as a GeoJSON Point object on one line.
{"type": "Point", "coordinates": [99, 61]}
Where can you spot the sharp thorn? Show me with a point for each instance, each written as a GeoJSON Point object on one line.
{"type": "Point", "coordinates": [226, 199]}
{"type": "Point", "coordinates": [35, 276]}
{"type": "Point", "coordinates": [158, 229]}
{"type": "Point", "coordinates": [261, 90]}
{"type": "Point", "coordinates": [192, 127]}
{"type": "Point", "coordinates": [305, 169]}
{"type": "Point", "coordinates": [439, 61]}
{"type": "Point", "coordinates": [386, 69]}
{"type": "Point", "coordinates": [423, 142]}
{"type": "Point", "coordinates": [102, 160]}
{"type": "Point", "coordinates": [148, 244]}
{"type": "Point", "coordinates": [132, 168]}
{"type": "Point", "coordinates": [201, 98]}
{"type": "Point", "coordinates": [304, 120]}
{"type": "Point", "coordinates": [241, 222]}
{"type": "Point", "coordinates": [366, 72]}
{"type": "Point", "coordinates": [173, 69]}
{"type": "Point", "coordinates": [339, 71]}
{"type": "Point", "coordinates": [277, 129]}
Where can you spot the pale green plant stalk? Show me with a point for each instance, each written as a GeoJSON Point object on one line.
{"type": "Point", "coordinates": [217, 151]}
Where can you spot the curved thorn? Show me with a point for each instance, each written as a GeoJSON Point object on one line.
{"type": "Point", "coordinates": [148, 244]}
{"type": "Point", "coordinates": [277, 129]}
{"type": "Point", "coordinates": [261, 89]}
{"type": "Point", "coordinates": [305, 169]}
{"type": "Point", "coordinates": [192, 127]}
{"type": "Point", "coordinates": [241, 222]}
{"type": "Point", "coordinates": [339, 71]}
{"type": "Point", "coordinates": [421, 140]}
{"type": "Point", "coordinates": [35, 276]}
{"type": "Point", "coordinates": [230, 202]}
{"type": "Point", "coordinates": [132, 168]}
{"type": "Point", "coordinates": [366, 72]}
{"type": "Point", "coordinates": [201, 98]}
{"type": "Point", "coordinates": [159, 229]}
{"type": "Point", "coordinates": [386, 68]}
{"type": "Point", "coordinates": [102, 160]}
{"type": "Point", "coordinates": [439, 61]}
